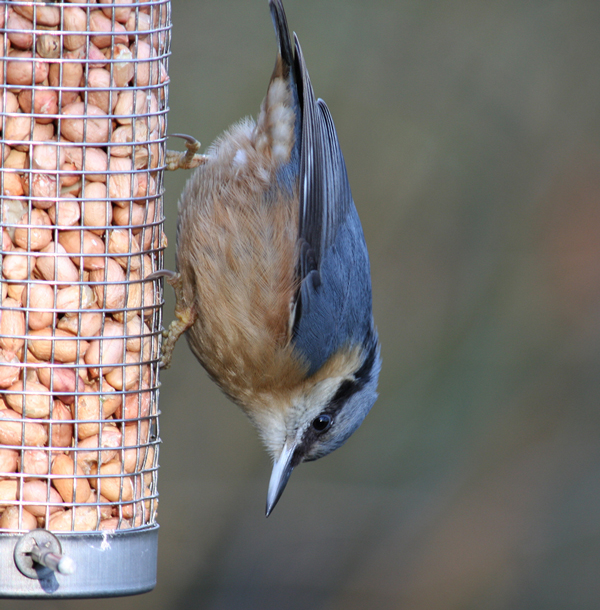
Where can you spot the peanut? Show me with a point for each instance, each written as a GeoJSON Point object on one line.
{"type": "Point", "coordinates": [44, 14]}
{"type": "Point", "coordinates": [8, 461]}
{"type": "Point", "coordinates": [10, 368]}
{"type": "Point", "coordinates": [17, 266]}
{"type": "Point", "coordinates": [65, 213]}
{"type": "Point", "coordinates": [79, 519]}
{"type": "Point", "coordinates": [89, 407]}
{"type": "Point", "coordinates": [99, 93]}
{"type": "Point", "coordinates": [124, 69]}
{"type": "Point", "coordinates": [116, 488]}
{"type": "Point", "coordinates": [39, 101]}
{"type": "Point", "coordinates": [15, 160]}
{"type": "Point", "coordinates": [55, 266]}
{"type": "Point", "coordinates": [84, 244]}
{"type": "Point", "coordinates": [35, 462]}
{"type": "Point", "coordinates": [110, 288]}
{"type": "Point", "coordinates": [21, 72]}
{"type": "Point", "coordinates": [22, 39]}
{"type": "Point", "coordinates": [106, 35]}
{"type": "Point", "coordinates": [75, 298]}
{"type": "Point", "coordinates": [9, 519]}
{"type": "Point", "coordinates": [48, 46]}
{"type": "Point", "coordinates": [11, 428]}
{"type": "Point", "coordinates": [74, 20]}
{"type": "Point", "coordinates": [120, 242]}
{"type": "Point", "coordinates": [37, 494]}
{"type": "Point", "coordinates": [68, 76]}
{"type": "Point", "coordinates": [85, 127]}
{"type": "Point", "coordinates": [121, 14]}
{"type": "Point", "coordinates": [60, 434]}
{"type": "Point", "coordinates": [34, 236]}
{"type": "Point", "coordinates": [98, 451]}
{"type": "Point", "coordinates": [8, 491]}
{"type": "Point", "coordinates": [29, 398]}
{"type": "Point", "coordinates": [63, 382]}
{"type": "Point", "coordinates": [72, 488]}
{"type": "Point", "coordinates": [13, 185]}
{"type": "Point", "coordinates": [97, 211]}
{"type": "Point", "coordinates": [108, 350]}
{"type": "Point", "coordinates": [114, 523]}
{"type": "Point", "coordinates": [137, 405]}
{"type": "Point", "coordinates": [125, 377]}
{"type": "Point", "coordinates": [56, 344]}
{"type": "Point", "coordinates": [12, 325]}
{"type": "Point", "coordinates": [40, 301]}
{"type": "Point", "coordinates": [86, 324]}
{"type": "Point", "coordinates": [96, 160]}
{"type": "Point", "coordinates": [134, 435]}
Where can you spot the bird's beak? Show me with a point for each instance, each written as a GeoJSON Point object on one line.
{"type": "Point", "coordinates": [282, 469]}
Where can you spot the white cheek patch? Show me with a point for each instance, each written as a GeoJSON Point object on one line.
{"type": "Point", "coordinates": [271, 429]}
{"type": "Point", "coordinates": [308, 406]}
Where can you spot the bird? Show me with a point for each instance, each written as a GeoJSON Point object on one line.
{"type": "Point", "coordinates": [272, 282]}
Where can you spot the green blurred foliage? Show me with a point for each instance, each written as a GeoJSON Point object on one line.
{"type": "Point", "coordinates": [471, 132]}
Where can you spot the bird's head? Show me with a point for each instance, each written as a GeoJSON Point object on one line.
{"type": "Point", "coordinates": [318, 416]}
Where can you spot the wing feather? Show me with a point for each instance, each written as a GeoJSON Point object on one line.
{"type": "Point", "coordinates": [333, 304]}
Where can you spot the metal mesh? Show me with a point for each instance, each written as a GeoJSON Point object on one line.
{"type": "Point", "coordinates": [83, 93]}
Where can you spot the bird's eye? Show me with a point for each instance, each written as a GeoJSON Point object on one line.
{"type": "Point", "coordinates": [322, 423]}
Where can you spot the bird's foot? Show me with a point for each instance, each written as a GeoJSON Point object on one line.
{"type": "Point", "coordinates": [184, 316]}
{"type": "Point", "coordinates": [185, 160]}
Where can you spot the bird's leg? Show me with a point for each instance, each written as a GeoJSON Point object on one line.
{"type": "Point", "coordinates": [185, 160]}
{"type": "Point", "coordinates": [184, 316]}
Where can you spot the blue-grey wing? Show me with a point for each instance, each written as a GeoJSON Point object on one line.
{"type": "Point", "coordinates": [333, 305]}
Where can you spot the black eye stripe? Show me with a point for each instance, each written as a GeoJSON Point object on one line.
{"type": "Point", "coordinates": [364, 372]}
{"type": "Point", "coordinates": [346, 389]}
{"type": "Point", "coordinates": [334, 407]}
{"type": "Point", "coordinates": [361, 377]}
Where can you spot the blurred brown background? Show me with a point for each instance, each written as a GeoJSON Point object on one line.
{"type": "Point", "coordinates": [471, 131]}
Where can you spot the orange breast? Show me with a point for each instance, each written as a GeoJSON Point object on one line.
{"type": "Point", "coordinates": [237, 248]}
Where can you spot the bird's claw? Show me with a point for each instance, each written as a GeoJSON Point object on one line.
{"type": "Point", "coordinates": [170, 276]}
{"type": "Point", "coordinates": [184, 316]}
{"type": "Point", "coordinates": [185, 160]}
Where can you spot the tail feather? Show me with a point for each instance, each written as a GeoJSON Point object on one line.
{"type": "Point", "coordinates": [282, 31]}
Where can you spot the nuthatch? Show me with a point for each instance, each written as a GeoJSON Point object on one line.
{"type": "Point", "coordinates": [273, 286]}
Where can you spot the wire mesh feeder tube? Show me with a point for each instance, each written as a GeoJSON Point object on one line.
{"type": "Point", "coordinates": [82, 146]}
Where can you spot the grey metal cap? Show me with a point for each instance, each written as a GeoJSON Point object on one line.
{"type": "Point", "coordinates": [108, 564]}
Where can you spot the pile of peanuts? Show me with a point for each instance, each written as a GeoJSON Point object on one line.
{"type": "Point", "coordinates": [82, 110]}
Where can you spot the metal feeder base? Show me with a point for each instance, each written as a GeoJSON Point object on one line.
{"type": "Point", "coordinates": [107, 564]}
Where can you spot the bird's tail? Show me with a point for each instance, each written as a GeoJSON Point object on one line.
{"type": "Point", "coordinates": [282, 32]}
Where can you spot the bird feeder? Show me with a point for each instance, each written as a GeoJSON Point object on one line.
{"type": "Point", "coordinates": [83, 102]}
